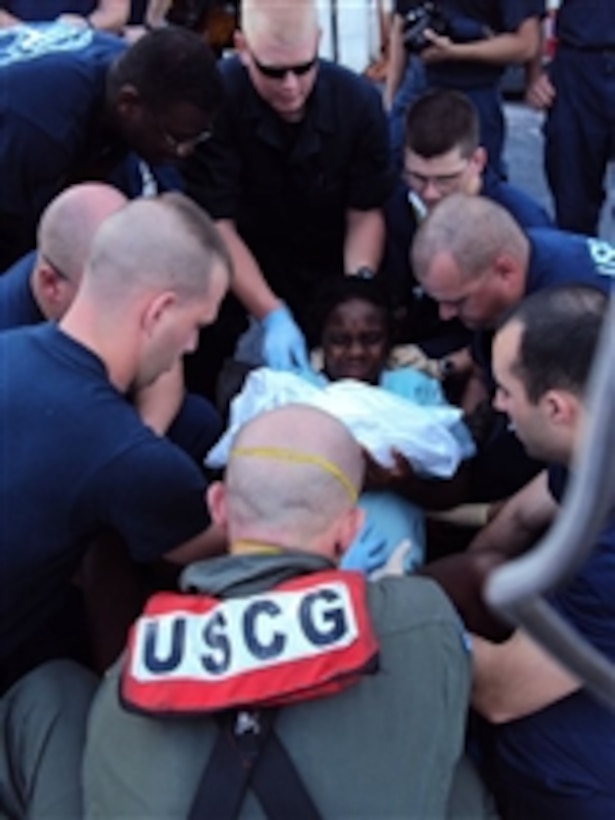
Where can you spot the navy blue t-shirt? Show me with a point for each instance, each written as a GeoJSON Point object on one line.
{"type": "Point", "coordinates": [52, 86]}
{"type": "Point", "coordinates": [498, 16]}
{"type": "Point", "coordinates": [569, 747]}
{"type": "Point", "coordinates": [556, 258]}
{"type": "Point", "coordinates": [32, 10]}
{"type": "Point", "coordinates": [562, 258]}
{"type": "Point", "coordinates": [76, 461]}
{"type": "Point", "coordinates": [17, 304]}
{"type": "Point", "coordinates": [586, 23]}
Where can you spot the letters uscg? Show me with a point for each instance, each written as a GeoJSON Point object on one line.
{"type": "Point", "coordinates": [200, 653]}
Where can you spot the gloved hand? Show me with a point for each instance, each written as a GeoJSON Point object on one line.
{"type": "Point", "coordinates": [368, 551]}
{"type": "Point", "coordinates": [283, 343]}
{"type": "Point", "coordinates": [395, 564]}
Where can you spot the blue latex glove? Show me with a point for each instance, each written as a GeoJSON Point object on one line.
{"type": "Point", "coordinates": [368, 551]}
{"type": "Point", "coordinates": [283, 343]}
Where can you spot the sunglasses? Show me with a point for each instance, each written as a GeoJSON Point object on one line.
{"type": "Point", "coordinates": [280, 72]}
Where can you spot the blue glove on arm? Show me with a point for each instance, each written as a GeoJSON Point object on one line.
{"type": "Point", "coordinates": [283, 343]}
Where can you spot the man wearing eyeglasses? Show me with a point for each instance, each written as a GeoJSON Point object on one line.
{"type": "Point", "coordinates": [77, 103]}
{"type": "Point", "coordinates": [295, 175]}
{"type": "Point", "coordinates": [442, 156]}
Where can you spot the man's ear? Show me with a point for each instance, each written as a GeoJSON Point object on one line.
{"type": "Point", "coordinates": [562, 408]}
{"type": "Point", "coordinates": [506, 268]}
{"type": "Point", "coordinates": [216, 502]}
{"type": "Point", "coordinates": [479, 159]}
{"type": "Point", "coordinates": [128, 103]}
{"type": "Point", "coordinates": [157, 309]}
{"type": "Point", "coordinates": [348, 528]}
{"type": "Point", "coordinates": [49, 282]}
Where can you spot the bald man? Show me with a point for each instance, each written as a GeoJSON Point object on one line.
{"type": "Point", "coordinates": [42, 284]}
{"type": "Point", "coordinates": [473, 258]}
{"type": "Point", "coordinates": [295, 175]}
{"type": "Point", "coordinates": [275, 621]}
{"type": "Point", "coordinates": [81, 460]}
{"type": "Point", "coordinates": [476, 262]}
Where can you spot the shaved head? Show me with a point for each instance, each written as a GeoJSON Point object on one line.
{"type": "Point", "coordinates": [163, 243]}
{"type": "Point", "coordinates": [283, 21]}
{"type": "Point", "coordinates": [473, 230]}
{"type": "Point", "coordinates": [69, 223]}
{"type": "Point", "coordinates": [292, 472]}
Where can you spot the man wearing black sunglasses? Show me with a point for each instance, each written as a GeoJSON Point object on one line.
{"type": "Point", "coordinates": [295, 174]}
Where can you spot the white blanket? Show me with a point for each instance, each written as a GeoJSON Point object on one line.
{"type": "Point", "coordinates": [433, 439]}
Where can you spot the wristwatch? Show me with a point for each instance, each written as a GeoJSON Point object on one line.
{"type": "Point", "coordinates": [446, 368]}
{"type": "Point", "coordinates": [364, 272]}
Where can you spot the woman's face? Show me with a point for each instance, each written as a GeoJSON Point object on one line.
{"type": "Point", "coordinates": [355, 342]}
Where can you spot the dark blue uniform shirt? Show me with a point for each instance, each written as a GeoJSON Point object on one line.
{"type": "Point", "coordinates": [33, 10]}
{"type": "Point", "coordinates": [76, 461]}
{"type": "Point", "coordinates": [288, 186]}
{"type": "Point", "coordinates": [52, 85]}
{"type": "Point", "coordinates": [586, 24]}
{"type": "Point", "coordinates": [568, 748]}
{"type": "Point", "coordinates": [17, 304]}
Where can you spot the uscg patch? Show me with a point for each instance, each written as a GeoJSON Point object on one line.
{"type": "Point", "coordinates": [306, 638]}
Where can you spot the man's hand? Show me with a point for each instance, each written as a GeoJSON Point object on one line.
{"type": "Point", "coordinates": [283, 344]}
{"type": "Point", "coordinates": [74, 20]}
{"type": "Point", "coordinates": [441, 48]}
{"type": "Point", "coordinates": [395, 563]}
{"type": "Point", "coordinates": [378, 477]}
{"type": "Point", "coordinates": [541, 93]}
{"type": "Point", "coordinates": [411, 355]}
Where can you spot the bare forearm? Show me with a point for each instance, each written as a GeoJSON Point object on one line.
{"type": "Point", "coordinates": [249, 284]}
{"type": "Point", "coordinates": [500, 50]}
{"type": "Point", "coordinates": [364, 241]}
{"type": "Point", "coordinates": [156, 12]}
{"type": "Point", "coordinates": [398, 58]}
{"type": "Point", "coordinates": [7, 19]}
{"type": "Point", "coordinates": [158, 404]}
{"type": "Point", "coordinates": [520, 522]}
{"type": "Point", "coordinates": [211, 542]}
{"type": "Point", "coordinates": [516, 678]}
{"type": "Point", "coordinates": [520, 46]}
{"type": "Point", "coordinates": [110, 15]}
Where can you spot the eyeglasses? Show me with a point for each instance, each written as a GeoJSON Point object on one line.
{"type": "Point", "coordinates": [445, 183]}
{"type": "Point", "coordinates": [280, 72]}
{"type": "Point", "coordinates": [181, 145]}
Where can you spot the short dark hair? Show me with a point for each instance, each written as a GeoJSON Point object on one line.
{"type": "Point", "coordinates": [439, 121]}
{"type": "Point", "coordinates": [561, 328]}
{"type": "Point", "coordinates": [169, 65]}
{"type": "Point", "coordinates": [339, 290]}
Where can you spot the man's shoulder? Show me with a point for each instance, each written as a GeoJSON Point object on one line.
{"type": "Point", "coordinates": [561, 257]}
{"type": "Point", "coordinates": [339, 79]}
{"type": "Point", "coordinates": [526, 210]}
{"type": "Point", "coordinates": [54, 46]}
{"type": "Point", "coordinates": [17, 304]}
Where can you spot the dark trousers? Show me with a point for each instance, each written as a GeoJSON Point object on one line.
{"type": "Point", "coordinates": [580, 135]}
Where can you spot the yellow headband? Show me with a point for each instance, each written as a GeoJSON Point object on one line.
{"type": "Point", "coordinates": [282, 454]}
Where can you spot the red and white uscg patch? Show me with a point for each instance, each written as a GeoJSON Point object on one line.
{"type": "Point", "coordinates": [303, 639]}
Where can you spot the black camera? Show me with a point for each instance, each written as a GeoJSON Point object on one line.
{"type": "Point", "coordinates": [425, 16]}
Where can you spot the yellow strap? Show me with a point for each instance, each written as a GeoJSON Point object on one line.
{"type": "Point", "coordinates": [282, 454]}
{"type": "Point", "coordinates": [244, 545]}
